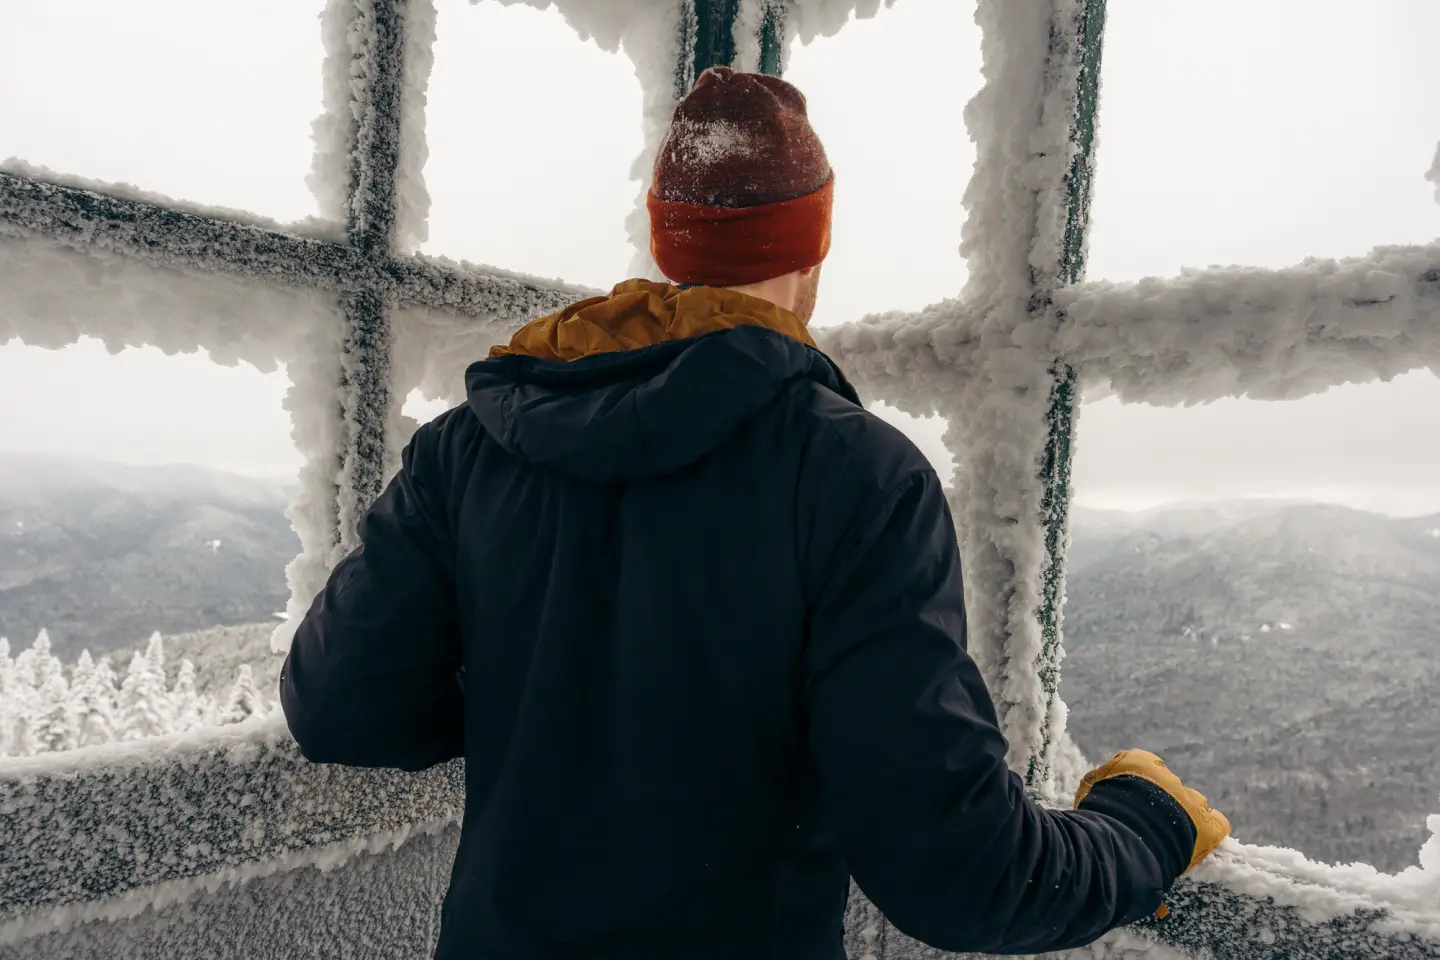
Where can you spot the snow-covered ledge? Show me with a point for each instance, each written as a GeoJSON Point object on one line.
{"type": "Point", "coordinates": [137, 849]}
{"type": "Point", "coordinates": [225, 843]}
{"type": "Point", "coordinates": [1246, 903]}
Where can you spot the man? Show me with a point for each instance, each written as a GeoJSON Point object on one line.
{"type": "Point", "coordinates": [709, 616]}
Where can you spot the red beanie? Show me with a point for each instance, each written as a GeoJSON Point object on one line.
{"type": "Point", "coordinates": [742, 190]}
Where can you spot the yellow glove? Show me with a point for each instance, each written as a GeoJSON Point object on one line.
{"type": "Point", "coordinates": [1211, 826]}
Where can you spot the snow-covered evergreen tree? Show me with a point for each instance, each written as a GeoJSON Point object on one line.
{"type": "Point", "coordinates": [186, 706]}
{"type": "Point", "coordinates": [24, 668]}
{"type": "Point", "coordinates": [105, 675]}
{"type": "Point", "coordinates": [55, 727]}
{"type": "Point", "coordinates": [46, 664]}
{"type": "Point", "coordinates": [144, 699]}
{"type": "Point", "coordinates": [244, 700]}
{"type": "Point", "coordinates": [83, 670]}
{"type": "Point", "coordinates": [155, 653]}
{"type": "Point", "coordinates": [94, 700]}
{"type": "Point", "coordinates": [21, 701]}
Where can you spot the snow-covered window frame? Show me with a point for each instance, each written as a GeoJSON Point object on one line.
{"type": "Point", "coordinates": [359, 320]}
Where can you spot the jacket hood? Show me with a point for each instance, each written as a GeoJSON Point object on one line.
{"type": "Point", "coordinates": [611, 391]}
{"type": "Point", "coordinates": [641, 313]}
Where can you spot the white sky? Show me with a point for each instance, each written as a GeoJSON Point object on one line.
{"type": "Point", "coordinates": [1237, 131]}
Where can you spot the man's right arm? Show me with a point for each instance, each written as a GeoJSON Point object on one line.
{"type": "Point", "coordinates": [937, 831]}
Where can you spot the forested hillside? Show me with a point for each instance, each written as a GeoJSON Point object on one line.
{"type": "Point", "coordinates": [1283, 657]}
{"type": "Point", "coordinates": [102, 555]}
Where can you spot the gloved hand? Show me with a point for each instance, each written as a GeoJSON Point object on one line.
{"type": "Point", "coordinates": [1211, 826]}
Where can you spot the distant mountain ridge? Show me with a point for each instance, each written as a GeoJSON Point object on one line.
{"type": "Point", "coordinates": [104, 554]}
{"type": "Point", "coordinates": [1284, 657]}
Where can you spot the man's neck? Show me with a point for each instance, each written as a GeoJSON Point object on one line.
{"type": "Point", "coordinates": [781, 291]}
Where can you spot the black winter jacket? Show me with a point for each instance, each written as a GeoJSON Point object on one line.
{"type": "Point", "coordinates": [710, 620]}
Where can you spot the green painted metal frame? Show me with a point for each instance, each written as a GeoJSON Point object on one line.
{"type": "Point", "coordinates": [1064, 395]}
{"type": "Point", "coordinates": [708, 39]}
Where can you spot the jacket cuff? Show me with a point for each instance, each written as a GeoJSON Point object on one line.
{"type": "Point", "coordinates": [1155, 816]}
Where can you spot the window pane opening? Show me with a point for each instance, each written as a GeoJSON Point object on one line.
{"type": "Point", "coordinates": [1308, 132]}
{"type": "Point", "coordinates": [1253, 594]}
{"type": "Point", "coordinates": [887, 97]}
{"type": "Point", "coordinates": [143, 543]}
{"type": "Point", "coordinates": [532, 134]}
{"type": "Point", "coordinates": [167, 95]}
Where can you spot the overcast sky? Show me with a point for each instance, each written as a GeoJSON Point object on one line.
{"type": "Point", "coordinates": [1238, 131]}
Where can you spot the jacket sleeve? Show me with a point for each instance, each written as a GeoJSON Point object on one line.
{"type": "Point", "coordinates": [903, 735]}
{"type": "Point", "coordinates": [371, 679]}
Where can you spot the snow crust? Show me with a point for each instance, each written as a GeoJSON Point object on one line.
{"type": "Point", "coordinates": [749, 21]}
{"type": "Point", "coordinates": [55, 294]}
{"type": "Point", "coordinates": [1249, 901]}
{"type": "Point", "coordinates": [480, 292]}
{"type": "Point", "coordinates": [376, 898]}
{"type": "Point", "coordinates": [319, 435]}
{"type": "Point", "coordinates": [314, 227]}
{"type": "Point", "coordinates": [433, 348]}
{"type": "Point", "coordinates": [1322, 891]}
{"type": "Point", "coordinates": [148, 812]}
{"type": "Point", "coordinates": [1206, 334]}
{"type": "Point", "coordinates": [1267, 334]}
{"type": "Point", "coordinates": [365, 142]}
{"type": "Point", "coordinates": [809, 19]}
{"type": "Point", "coordinates": [914, 360]}
{"type": "Point", "coordinates": [1015, 202]}
{"type": "Point", "coordinates": [325, 857]}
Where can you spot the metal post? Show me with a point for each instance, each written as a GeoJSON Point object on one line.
{"type": "Point", "coordinates": [370, 229]}
{"type": "Point", "coordinates": [1060, 419]}
{"type": "Point", "coordinates": [772, 39]}
{"type": "Point", "coordinates": [707, 39]}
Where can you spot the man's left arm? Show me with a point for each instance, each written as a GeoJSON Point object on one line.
{"type": "Point", "coordinates": [371, 676]}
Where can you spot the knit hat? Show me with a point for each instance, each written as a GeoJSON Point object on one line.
{"type": "Point", "coordinates": [742, 189]}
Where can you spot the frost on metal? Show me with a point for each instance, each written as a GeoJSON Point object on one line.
{"type": "Point", "coordinates": [1013, 239]}
{"type": "Point", "coordinates": [95, 823]}
{"type": "Point", "coordinates": [809, 19]}
{"type": "Point", "coordinates": [110, 220]}
{"type": "Point", "coordinates": [370, 149]}
{"type": "Point", "coordinates": [1266, 334]}
{"type": "Point", "coordinates": [752, 19]}
{"type": "Point", "coordinates": [312, 401]}
{"type": "Point", "coordinates": [315, 228]}
{"type": "Point", "coordinates": [379, 897]}
{"type": "Point", "coordinates": [1206, 334]}
{"type": "Point", "coordinates": [471, 291]}
{"type": "Point", "coordinates": [54, 294]}
{"type": "Point", "coordinates": [1242, 903]}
